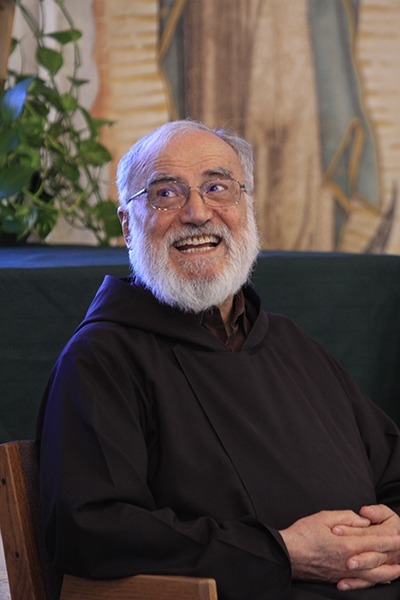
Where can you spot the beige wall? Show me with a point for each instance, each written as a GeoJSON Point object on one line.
{"type": "Point", "coordinates": [120, 52]}
{"type": "Point", "coordinates": [378, 57]}
{"type": "Point", "coordinates": [296, 213]}
{"type": "Point", "coordinates": [133, 90]}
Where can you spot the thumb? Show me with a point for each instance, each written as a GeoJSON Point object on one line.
{"type": "Point", "coordinates": [376, 513]}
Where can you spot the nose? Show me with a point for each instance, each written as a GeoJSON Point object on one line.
{"type": "Point", "coordinates": [195, 211]}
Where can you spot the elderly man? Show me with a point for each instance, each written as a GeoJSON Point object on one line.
{"type": "Point", "coordinates": [184, 430]}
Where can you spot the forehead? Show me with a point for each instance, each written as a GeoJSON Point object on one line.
{"type": "Point", "coordinates": [193, 154]}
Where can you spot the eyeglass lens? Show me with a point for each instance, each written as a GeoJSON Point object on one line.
{"type": "Point", "coordinates": [167, 195]}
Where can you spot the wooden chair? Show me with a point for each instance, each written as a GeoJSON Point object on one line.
{"type": "Point", "coordinates": [30, 574]}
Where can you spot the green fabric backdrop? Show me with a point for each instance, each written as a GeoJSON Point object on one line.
{"type": "Point", "coordinates": [350, 303]}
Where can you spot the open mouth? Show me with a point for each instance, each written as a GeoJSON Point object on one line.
{"type": "Point", "coordinates": [198, 243]}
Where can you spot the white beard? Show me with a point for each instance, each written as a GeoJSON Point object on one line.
{"type": "Point", "coordinates": [196, 290]}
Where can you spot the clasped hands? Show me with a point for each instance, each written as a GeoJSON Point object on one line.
{"type": "Point", "coordinates": [355, 551]}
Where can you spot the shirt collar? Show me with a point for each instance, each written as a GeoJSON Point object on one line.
{"type": "Point", "coordinates": [233, 333]}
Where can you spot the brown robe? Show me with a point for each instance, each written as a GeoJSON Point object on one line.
{"type": "Point", "coordinates": [164, 452]}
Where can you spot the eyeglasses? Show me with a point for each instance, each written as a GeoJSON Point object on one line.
{"type": "Point", "coordinates": [172, 195]}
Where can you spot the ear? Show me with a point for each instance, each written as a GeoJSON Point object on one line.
{"type": "Point", "coordinates": [123, 216]}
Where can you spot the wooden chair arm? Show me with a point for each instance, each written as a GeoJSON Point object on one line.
{"type": "Point", "coordinates": [18, 471]}
{"type": "Point", "coordinates": [139, 587]}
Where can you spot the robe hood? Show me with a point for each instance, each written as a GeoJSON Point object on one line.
{"type": "Point", "coordinates": [117, 301]}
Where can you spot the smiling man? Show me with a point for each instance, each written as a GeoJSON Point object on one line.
{"type": "Point", "coordinates": [185, 430]}
{"type": "Point", "coordinates": [195, 249]}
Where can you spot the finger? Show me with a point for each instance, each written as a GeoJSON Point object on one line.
{"type": "Point", "coordinates": [387, 528]}
{"type": "Point", "coordinates": [376, 513]}
{"type": "Point", "coordinates": [387, 544]}
{"type": "Point", "coordinates": [364, 542]}
{"type": "Point", "coordinates": [350, 519]}
{"type": "Point", "coordinates": [368, 553]}
{"type": "Point", "coordinates": [367, 560]}
{"type": "Point", "coordinates": [353, 584]}
{"type": "Point", "coordinates": [349, 530]}
{"type": "Point", "coordinates": [381, 574]}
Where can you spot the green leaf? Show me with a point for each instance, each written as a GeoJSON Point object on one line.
{"type": "Point", "coordinates": [94, 153]}
{"type": "Point", "coordinates": [46, 221]}
{"type": "Point", "coordinates": [69, 102]}
{"type": "Point", "coordinates": [106, 212]}
{"type": "Point", "coordinates": [14, 44]}
{"type": "Point", "coordinates": [17, 220]}
{"type": "Point", "coordinates": [55, 145]}
{"type": "Point", "coordinates": [50, 59]}
{"type": "Point", "coordinates": [13, 179]}
{"type": "Point", "coordinates": [95, 124]}
{"type": "Point", "coordinates": [55, 129]}
{"type": "Point", "coordinates": [70, 172]}
{"type": "Point", "coordinates": [77, 82]}
{"type": "Point", "coordinates": [28, 157]}
{"type": "Point", "coordinates": [52, 97]}
{"type": "Point", "coordinates": [8, 141]}
{"type": "Point", "coordinates": [64, 37]}
{"type": "Point", "coordinates": [37, 106]}
{"type": "Point", "coordinates": [13, 100]}
{"type": "Point", "coordinates": [32, 130]}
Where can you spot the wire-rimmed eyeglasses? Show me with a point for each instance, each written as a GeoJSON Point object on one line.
{"type": "Point", "coordinates": [172, 194]}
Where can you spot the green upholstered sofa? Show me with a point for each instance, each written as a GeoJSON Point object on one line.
{"type": "Point", "coordinates": [350, 303]}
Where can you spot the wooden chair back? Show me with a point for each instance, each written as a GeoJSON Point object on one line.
{"type": "Point", "coordinates": [29, 571]}
{"type": "Point", "coordinates": [30, 574]}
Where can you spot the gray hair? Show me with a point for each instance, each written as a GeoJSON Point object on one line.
{"type": "Point", "coordinates": [134, 161]}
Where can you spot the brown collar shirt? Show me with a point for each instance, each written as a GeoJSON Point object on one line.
{"type": "Point", "coordinates": [234, 334]}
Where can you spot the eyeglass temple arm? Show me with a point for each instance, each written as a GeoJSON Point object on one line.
{"type": "Point", "coordinates": [139, 193]}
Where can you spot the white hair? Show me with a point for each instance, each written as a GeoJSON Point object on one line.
{"type": "Point", "coordinates": [132, 164]}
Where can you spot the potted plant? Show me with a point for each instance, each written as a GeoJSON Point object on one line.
{"type": "Point", "coordinates": [51, 157]}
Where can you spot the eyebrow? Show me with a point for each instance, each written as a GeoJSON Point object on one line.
{"type": "Point", "coordinates": [214, 172]}
{"type": "Point", "coordinates": [163, 177]}
{"type": "Point", "coordinates": [219, 172]}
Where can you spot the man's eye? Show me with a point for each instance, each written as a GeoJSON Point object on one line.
{"type": "Point", "coordinates": [167, 192]}
{"type": "Point", "coordinates": [215, 187]}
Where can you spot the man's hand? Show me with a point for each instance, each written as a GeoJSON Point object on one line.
{"type": "Point", "coordinates": [354, 551]}
{"type": "Point", "coordinates": [385, 564]}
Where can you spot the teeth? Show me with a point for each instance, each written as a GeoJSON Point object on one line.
{"type": "Point", "coordinates": [198, 241]}
{"type": "Point", "coordinates": [197, 249]}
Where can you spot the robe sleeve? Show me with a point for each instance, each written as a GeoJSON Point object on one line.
{"type": "Point", "coordinates": [381, 438]}
{"type": "Point", "coordinates": [99, 514]}
{"type": "Point", "coordinates": [379, 434]}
